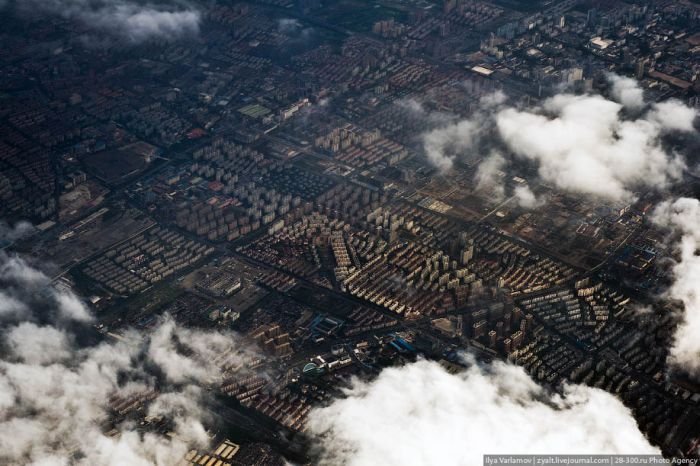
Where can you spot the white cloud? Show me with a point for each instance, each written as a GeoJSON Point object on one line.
{"type": "Point", "coordinates": [413, 105]}
{"type": "Point", "coordinates": [419, 414]}
{"type": "Point", "coordinates": [673, 115]}
{"type": "Point", "coordinates": [294, 29]}
{"type": "Point", "coordinates": [526, 198]}
{"type": "Point", "coordinates": [55, 394]}
{"type": "Point", "coordinates": [489, 175]}
{"type": "Point", "coordinates": [59, 397]}
{"type": "Point", "coordinates": [431, 119]}
{"type": "Point", "coordinates": [626, 91]}
{"type": "Point", "coordinates": [70, 307]}
{"type": "Point", "coordinates": [16, 231]}
{"type": "Point", "coordinates": [443, 145]}
{"type": "Point", "coordinates": [205, 352]}
{"type": "Point", "coordinates": [449, 138]}
{"type": "Point", "coordinates": [11, 306]}
{"type": "Point", "coordinates": [493, 100]}
{"type": "Point", "coordinates": [28, 294]}
{"type": "Point", "coordinates": [33, 344]}
{"type": "Point", "coordinates": [579, 143]}
{"type": "Point", "coordinates": [288, 25]}
{"type": "Point", "coordinates": [132, 20]}
{"type": "Point", "coordinates": [683, 215]}
{"type": "Point", "coordinates": [58, 408]}
{"type": "Point", "coordinates": [15, 269]}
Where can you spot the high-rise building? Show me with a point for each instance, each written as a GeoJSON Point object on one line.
{"type": "Point", "coordinates": [640, 69]}
{"type": "Point", "coordinates": [493, 338]}
{"type": "Point", "coordinates": [592, 17]}
{"type": "Point", "coordinates": [467, 254]}
{"type": "Point", "coordinates": [499, 329]}
{"type": "Point", "coordinates": [479, 328]}
{"type": "Point", "coordinates": [507, 345]}
{"type": "Point", "coordinates": [517, 339]}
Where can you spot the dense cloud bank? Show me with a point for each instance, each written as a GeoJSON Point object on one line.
{"type": "Point", "coordinates": [683, 217]}
{"type": "Point", "coordinates": [586, 144]}
{"type": "Point", "coordinates": [133, 20]}
{"type": "Point", "coordinates": [55, 390]}
{"type": "Point", "coordinates": [420, 414]}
